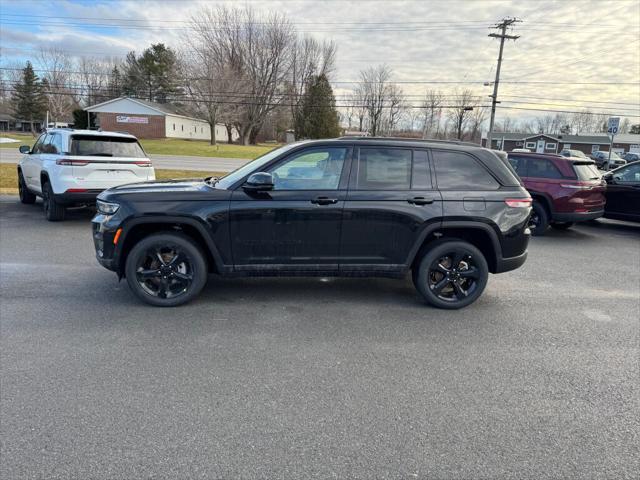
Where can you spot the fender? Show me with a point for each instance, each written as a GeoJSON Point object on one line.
{"type": "Point", "coordinates": [128, 225]}
{"type": "Point", "coordinates": [444, 224]}
{"type": "Point", "coordinates": [545, 198]}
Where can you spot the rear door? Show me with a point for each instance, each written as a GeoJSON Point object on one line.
{"type": "Point", "coordinates": [100, 161]}
{"type": "Point", "coordinates": [391, 200]}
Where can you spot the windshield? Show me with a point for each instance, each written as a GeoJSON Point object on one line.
{"type": "Point", "coordinates": [614, 155]}
{"type": "Point", "coordinates": [577, 153]}
{"type": "Point", "coordinates": [228, 180]}
{"type": "Point", "coordinates": [586, 171]}
{"type": "Point", "coordinates": [101, 146]}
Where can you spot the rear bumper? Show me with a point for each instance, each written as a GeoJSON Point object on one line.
{"type": "Point", "coordinates": [510, 263]}
{"type": "Point", "coordinates": [577, 216]}
{"type": "Point", "coordinates": [71, 198]}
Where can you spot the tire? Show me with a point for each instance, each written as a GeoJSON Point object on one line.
{"type": "Point", "coordinates": [539, 220]}
{"type": "Point", "coordinates": [452, 274]}
{"type": "Point", "coordinates": [26, 196]}
{"type": "Point", "coordinates": [562, 225]}
{"type": "Point", "coordinates": [53, 211]}
{"type": "Point", "coordinates": [166, 269]}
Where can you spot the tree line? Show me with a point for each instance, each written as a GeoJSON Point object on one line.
{"type": "Point", "coordinates": [253, 71]}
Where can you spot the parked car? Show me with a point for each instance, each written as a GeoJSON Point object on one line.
{"type": "Point", "coordinates": [565, 190]}
{"type": "Point", "coordinates": [623, 193]}
{"type": "Point", "coordinates": [631, 157]}
{"type": "Point", "coordinates": [603, 162]}
{"type": "Point", "coordinates": [573, 153]}
{"type": "Point", "coordinates": [525, 150]}
{"type": "Point", "coordinates": [71, 167]}
{"type": "Point", "coordinates": [448, 212]}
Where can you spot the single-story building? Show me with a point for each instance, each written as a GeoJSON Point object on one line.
{"type": "Point", "coordinates": [545, 143]}
{"type": "Point", "coordinates": [8, 123]}
{"type": "Point", "coordinates": [146, 119]}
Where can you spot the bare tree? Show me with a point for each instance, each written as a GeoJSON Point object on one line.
{"type": "Point", "coordinates": [376, 92]}
{"type": "Point", "coordinates": [476, 120]}
{"type": "Point", "coordinates": [56, 66]}
{"type": "Point", "coordinates": [396, 108]}
{"type": "Point", "coordinates": [460, 111]}
{"type": "Point", "coordinates": [432, 104]}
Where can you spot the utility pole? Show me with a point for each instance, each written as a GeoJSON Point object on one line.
{"type": "Point", "coordinates": [506, 22]}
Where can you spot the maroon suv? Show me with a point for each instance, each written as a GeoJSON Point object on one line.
{"type": "Point", "coordinates": [564, 190]}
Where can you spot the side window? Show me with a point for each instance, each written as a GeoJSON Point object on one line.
{"type": "Point", "coordinates": [542, 168]}
{"type": "Point", "coordinates": [459, 171]}
{"type": "Point", "coordinates": [38, 144]}
{"type": "Point", "coordinates": [631, 174]}
{"type": "Point", "coordinates": [519, 165]}
{"type": "Point", "coordinates": [384, 169]}
{"type": "Point", "coordinates": [312, 169]}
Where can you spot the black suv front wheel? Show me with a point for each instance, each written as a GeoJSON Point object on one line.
{"type": "Point", "coordinates": [166, 269]}
{"type": "Point", "coordinates": [452, 274]}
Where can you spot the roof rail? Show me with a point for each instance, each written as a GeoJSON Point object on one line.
{"type": "Point", "coordinates": [406, 139]}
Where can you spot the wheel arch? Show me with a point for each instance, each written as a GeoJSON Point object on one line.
{"type": "Point", "coordinates": [478, 234]}
{"type": "Point", "coordinates": [136, 229]}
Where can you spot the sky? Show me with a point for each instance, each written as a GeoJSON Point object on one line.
{"type": "Point", "coordinates": [565, 46]}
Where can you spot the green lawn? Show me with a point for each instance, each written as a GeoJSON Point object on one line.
{"type": "Point", "coordinates": [173, 146]}
{"type": "Point", "coordinates": [24, 139]}
{"type": "Point", "coordinates": [9, 176]}
{"type": "Point", "coordinates": [201, 148]}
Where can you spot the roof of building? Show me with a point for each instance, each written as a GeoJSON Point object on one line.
{"type": "Point", "coordinates": [161, 108]}
{"type": "Point", "coordinates": [594, 138]}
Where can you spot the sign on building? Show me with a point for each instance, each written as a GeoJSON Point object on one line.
{"type": "Point", "coordinates": [130, 119]}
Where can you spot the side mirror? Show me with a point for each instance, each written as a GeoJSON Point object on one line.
{"type": "Point", "coordinates": [25, 149]}
{"type": "Point", "coordinates": [259, 182]}
{"type": "Point", "coordinates": [608, 178]}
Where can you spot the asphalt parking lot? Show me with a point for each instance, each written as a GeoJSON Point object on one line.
{"type": "Point", "coordinates": [298, 378]}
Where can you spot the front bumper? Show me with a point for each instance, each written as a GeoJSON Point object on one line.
{"type": "Point", "coordinates": [103, 241]}
{"type": "Point", "coordinates": [577, 216]}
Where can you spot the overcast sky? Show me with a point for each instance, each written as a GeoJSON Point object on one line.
{"type": "Point", "coordinates": [571, 42]}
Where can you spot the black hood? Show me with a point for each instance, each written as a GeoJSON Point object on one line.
{"type": "Point", "coordinates": [182, 189]}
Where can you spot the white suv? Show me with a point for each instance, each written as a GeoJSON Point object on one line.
{"type": "Point", "coordinates": [71, 167]}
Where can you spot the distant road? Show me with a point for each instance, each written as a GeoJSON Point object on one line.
{"type": "Point", "coordinates": [212, 164]}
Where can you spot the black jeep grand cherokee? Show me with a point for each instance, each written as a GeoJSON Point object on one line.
{"type": "Point", "coordinates": [448, 212]}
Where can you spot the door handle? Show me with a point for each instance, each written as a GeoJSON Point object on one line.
{"type": "Point", "coordinates": [324, 201]}
{"type": "Point", "coordinates": [420, 200]}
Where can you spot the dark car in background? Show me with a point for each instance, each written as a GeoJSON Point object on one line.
{"type": "Point", "coordinates": [604, 162]}
{"type": "Point", "coordinates": [623, 193]}
{"type": "Point", "coordinates": [567, 152]}
{"type": "Point", "coordinates": [565, 190]}
{"type": "Point", "coordinates": [631, 157]}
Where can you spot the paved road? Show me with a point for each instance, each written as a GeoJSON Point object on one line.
{"type": "Point", "coordinates": [301, 378]}
{"type": "Point", "coordinates": [212, 164]}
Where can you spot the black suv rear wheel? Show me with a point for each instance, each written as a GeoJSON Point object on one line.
{"type": "Point", "coordinates": [452, 274]}
{"type": "Point", "coordinates": [25, 195]}
{"type": "Point", "coordinates": [539, 220]}
{"type": "Point", "coordinates": [53, 211]}
{"type": "Point", "coordinates": [166, 269]}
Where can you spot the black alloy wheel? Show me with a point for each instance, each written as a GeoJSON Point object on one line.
{"type": "Point", "coordinates": [166, 269]}
{"type": "Point", "coordinates": [25, 195]}
{"type": "Point", "coordinates": [538, 220]}
{"type": "Point", "coordinates": [452, 274]}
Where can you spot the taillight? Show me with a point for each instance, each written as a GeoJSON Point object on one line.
{"type": "Point", "coordinates": [75, 190]}
{"type": "Point", "coordinates": [69, 162]}
{"type": "Point", "coordinates": [518, 202]}
{"type": "Point", "coordinates": [145, 163]}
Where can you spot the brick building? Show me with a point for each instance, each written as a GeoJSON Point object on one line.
{"type": "Point", "coordinates": [152, 120]}
{"type": "Point", "coordinates": [586, 143]}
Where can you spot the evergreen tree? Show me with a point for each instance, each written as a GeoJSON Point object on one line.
{"type": "Point", "coordinates": [319, 117]}
{"type": "Point", "coordinates": [29, 99]}
{"type": "Point", "coordinates": [152, 75]}
{"type": "Point", "coordinates": [115, 87]}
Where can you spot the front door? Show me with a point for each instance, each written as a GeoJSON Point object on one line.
{"type": "Point", "coordinates": [540, 146]}
{"type": "Point", "coordinates": [391, 200]}
{"type": "Point", "coordinates": [623, 192]}
{"type": "Point", "coordinates": [297, 225]}
{"type": "Point", "coordinates": [31, 165]}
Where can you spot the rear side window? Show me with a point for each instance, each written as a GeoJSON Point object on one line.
{"type": "Point", "coordinates": [586, 171]}
{"type": "Point", "coordinates": [459, 171]}
{"type": "Point", "coordinates": [101, 146]}
{"type": "Point", "coordinates": [542, 168]}
{"type": "Point", "coordinates": [518, 165]}
{"type": "Point", "coordinates": [384, 169]}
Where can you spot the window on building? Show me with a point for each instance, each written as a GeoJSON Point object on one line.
{"type": "Point", "coordinates": [595, 148]}
{"type": "Point", "coordinates": [459, 171]}
{"type": "Point", "coordinates": [551, 146]}
{"type": "Point", "coordinates": [195, 129]}
{"type": "Point", "coordinates": [384, 169]}
{"type": "Point", "coordinates": [182, 128]}
{"type": "Point", "coordinates": [174, 127]}
{"type": "Point", "coordinates": [531, 145]}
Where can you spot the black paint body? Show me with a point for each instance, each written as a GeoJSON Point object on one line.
{"type": "Point", "coordinates": [323, 232]}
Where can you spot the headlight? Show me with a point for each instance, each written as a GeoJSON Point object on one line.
{"type": "Point", "coordinates": [107, 208]}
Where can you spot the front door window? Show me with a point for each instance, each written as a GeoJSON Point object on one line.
{"type": "Point", "coordinates": [317, 169]}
